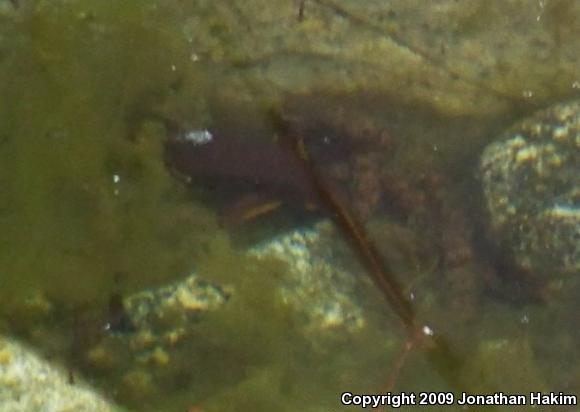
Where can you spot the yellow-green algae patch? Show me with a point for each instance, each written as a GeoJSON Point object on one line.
{"type": "Point", "coordinates": [252, 354]}
{"type": "Point", "coordinates": [85, 194]}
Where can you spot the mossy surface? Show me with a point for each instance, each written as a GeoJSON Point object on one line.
{"type": "Point", "coordinates": [85, 194]}
{"type": "Point", "coordinates": [85, 198]}
{"type": "Point", "coordinates": [87, 202]}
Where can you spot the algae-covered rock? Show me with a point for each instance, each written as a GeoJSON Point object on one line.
{"type": "Point", "coordinates": [531, 178]}
{"type": "Point", "coordinates": [85, 196]}
{"type": "Point", "coordinates": [243, 331]}
{"type": "Point", "coordinates": [458, 57]}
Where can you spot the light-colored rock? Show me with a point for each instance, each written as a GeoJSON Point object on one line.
{"type": "Point", "coordinates": [320, 290]}
{"type": "Point", "coordinates": [29, 383]}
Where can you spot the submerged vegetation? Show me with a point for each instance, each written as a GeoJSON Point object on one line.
{"type": "Point", "coordinates": [82, 202]}
{"type": "Point", "coordinates": [89, 211]}
{"type": "Point", "coordinates": [88, 207]}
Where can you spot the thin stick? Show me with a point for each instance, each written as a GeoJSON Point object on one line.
{"type": "Point", "coordinates": [439, 353]}
{"type": "Point", "coordinates": [355, 233]}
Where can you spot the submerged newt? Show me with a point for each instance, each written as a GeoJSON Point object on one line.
{"type": "Point", "coordinates": [235, 166]}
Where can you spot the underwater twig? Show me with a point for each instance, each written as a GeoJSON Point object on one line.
{"type": "Point", "coordinates": [410, 344]}
{"type": "Point", "coordinates": [353, 230]}
{"type": "Point", "coordinates": [444, 360]}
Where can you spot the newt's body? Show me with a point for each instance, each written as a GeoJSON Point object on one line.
{"type": "Point", "coordinates": [257, 167]}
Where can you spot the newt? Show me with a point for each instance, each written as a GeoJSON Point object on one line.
{"type": "Point", "coordinates": [264, 174]}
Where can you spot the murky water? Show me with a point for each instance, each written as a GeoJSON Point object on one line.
{"type": "Point", "coordinates": [246, 206]}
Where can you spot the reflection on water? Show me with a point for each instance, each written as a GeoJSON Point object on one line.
{"type": "Point", "coordinates": [235, 206]}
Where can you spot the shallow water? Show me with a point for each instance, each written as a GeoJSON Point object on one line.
{"type": "Point", "coordinates": [393, 103]}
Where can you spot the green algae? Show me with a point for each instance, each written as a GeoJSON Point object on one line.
{"type": "Point", "coordinates": [253, 353]}
{"type": "Point", "coordinates": [78, 79]}
{"type": "Point", "coordinates": [85, 194]}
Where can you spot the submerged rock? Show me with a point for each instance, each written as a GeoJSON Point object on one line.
{"type": "Point", "coordinates": [29, 383]}
{"type": "Point", "coordinates": [321, 290]}
{"type": "Point", "coordinates": [531, 180]}
{"type": "Point", "coordinates": [283, 296]}
{"type": "Point", "coordinates": [323, 293]}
